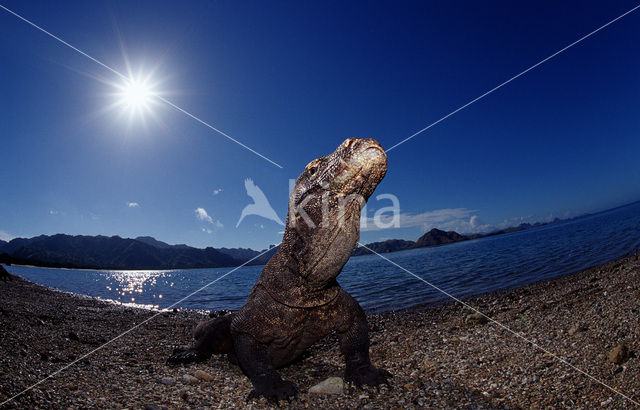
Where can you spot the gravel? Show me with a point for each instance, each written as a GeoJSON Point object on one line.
{"type": "Point", "coordinates": [438, 356]}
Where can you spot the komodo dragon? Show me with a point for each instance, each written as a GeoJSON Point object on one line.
{"type": "Point", "coordinates": [297, 301]}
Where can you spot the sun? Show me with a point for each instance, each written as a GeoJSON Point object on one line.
{"type": "Point", "coordinates": [136, 95]}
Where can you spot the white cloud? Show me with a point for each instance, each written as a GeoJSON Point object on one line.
{"type": "Point", "coordinates": [217, 191]}
{"type": "Point", "coordinates": [202, 215]}
{"type": "Point", "coordinates": [5, 236]}
{"type": "Point", "coordinates": [424, 221]}
{"type": "Point", "coordinates": [461, 220]}
{"type": "Point", "coordinates": [207, 230]}
{"type": "Point", "coordinates": [53, 212]}
{"type": "Point", "coordinates": [133, 205]}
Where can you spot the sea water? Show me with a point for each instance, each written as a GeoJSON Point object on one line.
{"type": "Point", "coordinates": [461, 269]}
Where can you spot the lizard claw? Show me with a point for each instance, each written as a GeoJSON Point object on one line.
{"type": "Point", "coordinates": [185, 356]}
{"type": "Point", "coordinates": [274, 390]}
{"type": "Point", "coordinates": [369, 375]}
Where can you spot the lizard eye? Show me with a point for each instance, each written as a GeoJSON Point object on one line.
{"type": "Point", "coordinates": [312, 167]}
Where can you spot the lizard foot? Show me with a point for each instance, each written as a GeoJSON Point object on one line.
{"type": "Point", "coordinates": [367, 374]}
{"type": "Point", "coordinates": [186, 356]}
{"type": "Point", "coordinates": [274, 389]}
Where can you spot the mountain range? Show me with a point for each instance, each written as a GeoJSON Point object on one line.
{"type": "Point", "coordinates": [145, 252]}
{"type": "Point", "coordinates": [435, 237]}
{"type": "Point", "coordinates": [102, 252]}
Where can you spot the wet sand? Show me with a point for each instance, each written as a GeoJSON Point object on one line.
{"type": "Point", "coordinates": [440, 357]}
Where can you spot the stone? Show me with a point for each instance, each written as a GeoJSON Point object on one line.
{"type": "Point", "coordinates": [58, 358]}
{"type": "Point", "coordinates": [153, 407]}
{"type": "Point", "coordinates": [576, 328]}
{"type": "Point", "coordinates": [167, 380]}
{"type": "Point", "coordinates": [189, 379]}
{"type": "Point", "coordinates": [202, 375]}
{"type": "Point", "coordinates": [619, 354]}
{"type": "Point", "coordinates": [475, 319]}
{"type": "Point", "coordinates": [332, 385]}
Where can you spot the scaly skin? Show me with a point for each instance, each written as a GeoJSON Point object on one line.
{"type": "Point", "coordinates": [297, 300]}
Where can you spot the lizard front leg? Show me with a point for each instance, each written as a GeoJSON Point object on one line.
{"type": "Point", "coordinates": [354, 345]}
{"type": "Point", "coordinates": [212, 337]}
{"type": "Point", "coordinates": [254, 360]}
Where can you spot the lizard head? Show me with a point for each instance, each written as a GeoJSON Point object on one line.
{"type": "Point", "coordinates": [325, 206]}
{"type": "Point", "coordinates": [356, 167]}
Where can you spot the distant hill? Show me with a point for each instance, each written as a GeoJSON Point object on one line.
{"type": "Point", "coordinates": [102, 252]}
{"type": "Point", "coordinates": [437, 237]}
{"type": "Point", "coordinates": [434, 237]}
{"type": "Point", "coordinates": [241, 254]}
{"type": "Point", "coordinates": [159, 244]}
{"type": "Point", "coordinates": [391, 245]}
{"type": "Point", "coordinates": [264, 258]}
{"type": "Point", "coordinates": [246, 254]}
{"type": "Point", "coordinates": [17, 243]}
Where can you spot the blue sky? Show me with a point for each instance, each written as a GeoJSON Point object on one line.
{"type": "Point", "coordinates": [293, 80]}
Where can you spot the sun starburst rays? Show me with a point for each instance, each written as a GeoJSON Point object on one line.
{"type": "Point", "coordinates": [136, 95]}
{"type": "Point", "coordinates": [135, 98]}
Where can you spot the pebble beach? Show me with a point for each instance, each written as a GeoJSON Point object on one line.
{"type": "Point", "coordinates": [71, 351]}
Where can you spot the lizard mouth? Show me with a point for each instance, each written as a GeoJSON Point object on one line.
{"type": "Point", "coordinates": [375, 154]}
{"type": "Point", "coordinates": [367, 161]}
{"type": "Point", "coordinates": [370, 153]}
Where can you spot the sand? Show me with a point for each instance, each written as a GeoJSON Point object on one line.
{"type": "Point", "coordinates": [440, 356]}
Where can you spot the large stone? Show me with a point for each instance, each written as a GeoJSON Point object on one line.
{"type": "Point", "coordinates": [189, 379]}
{"type": "Point", "coordinates": [169, 381]}
{"type": "Point", "coordinates": [202, 375]}
{"type": "Point", "coordinates": [576, 328]}
{"type": "Point", "coordinates": [153, 407]}
{"type": "Point", "coordinates": [332, 385]}
{"type": "Point", "coordinates": [619, 354]}
{"type": "Point", "coordinates": [475, 319]}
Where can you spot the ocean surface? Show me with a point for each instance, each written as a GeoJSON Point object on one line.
{"type": "Point", "coordinates": [461, 269]}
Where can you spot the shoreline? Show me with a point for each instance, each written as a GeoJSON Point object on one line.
{"type": "Point", "coordinates": [370, 311]}
{"type": "Point", "coordinates": [439, 355]}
